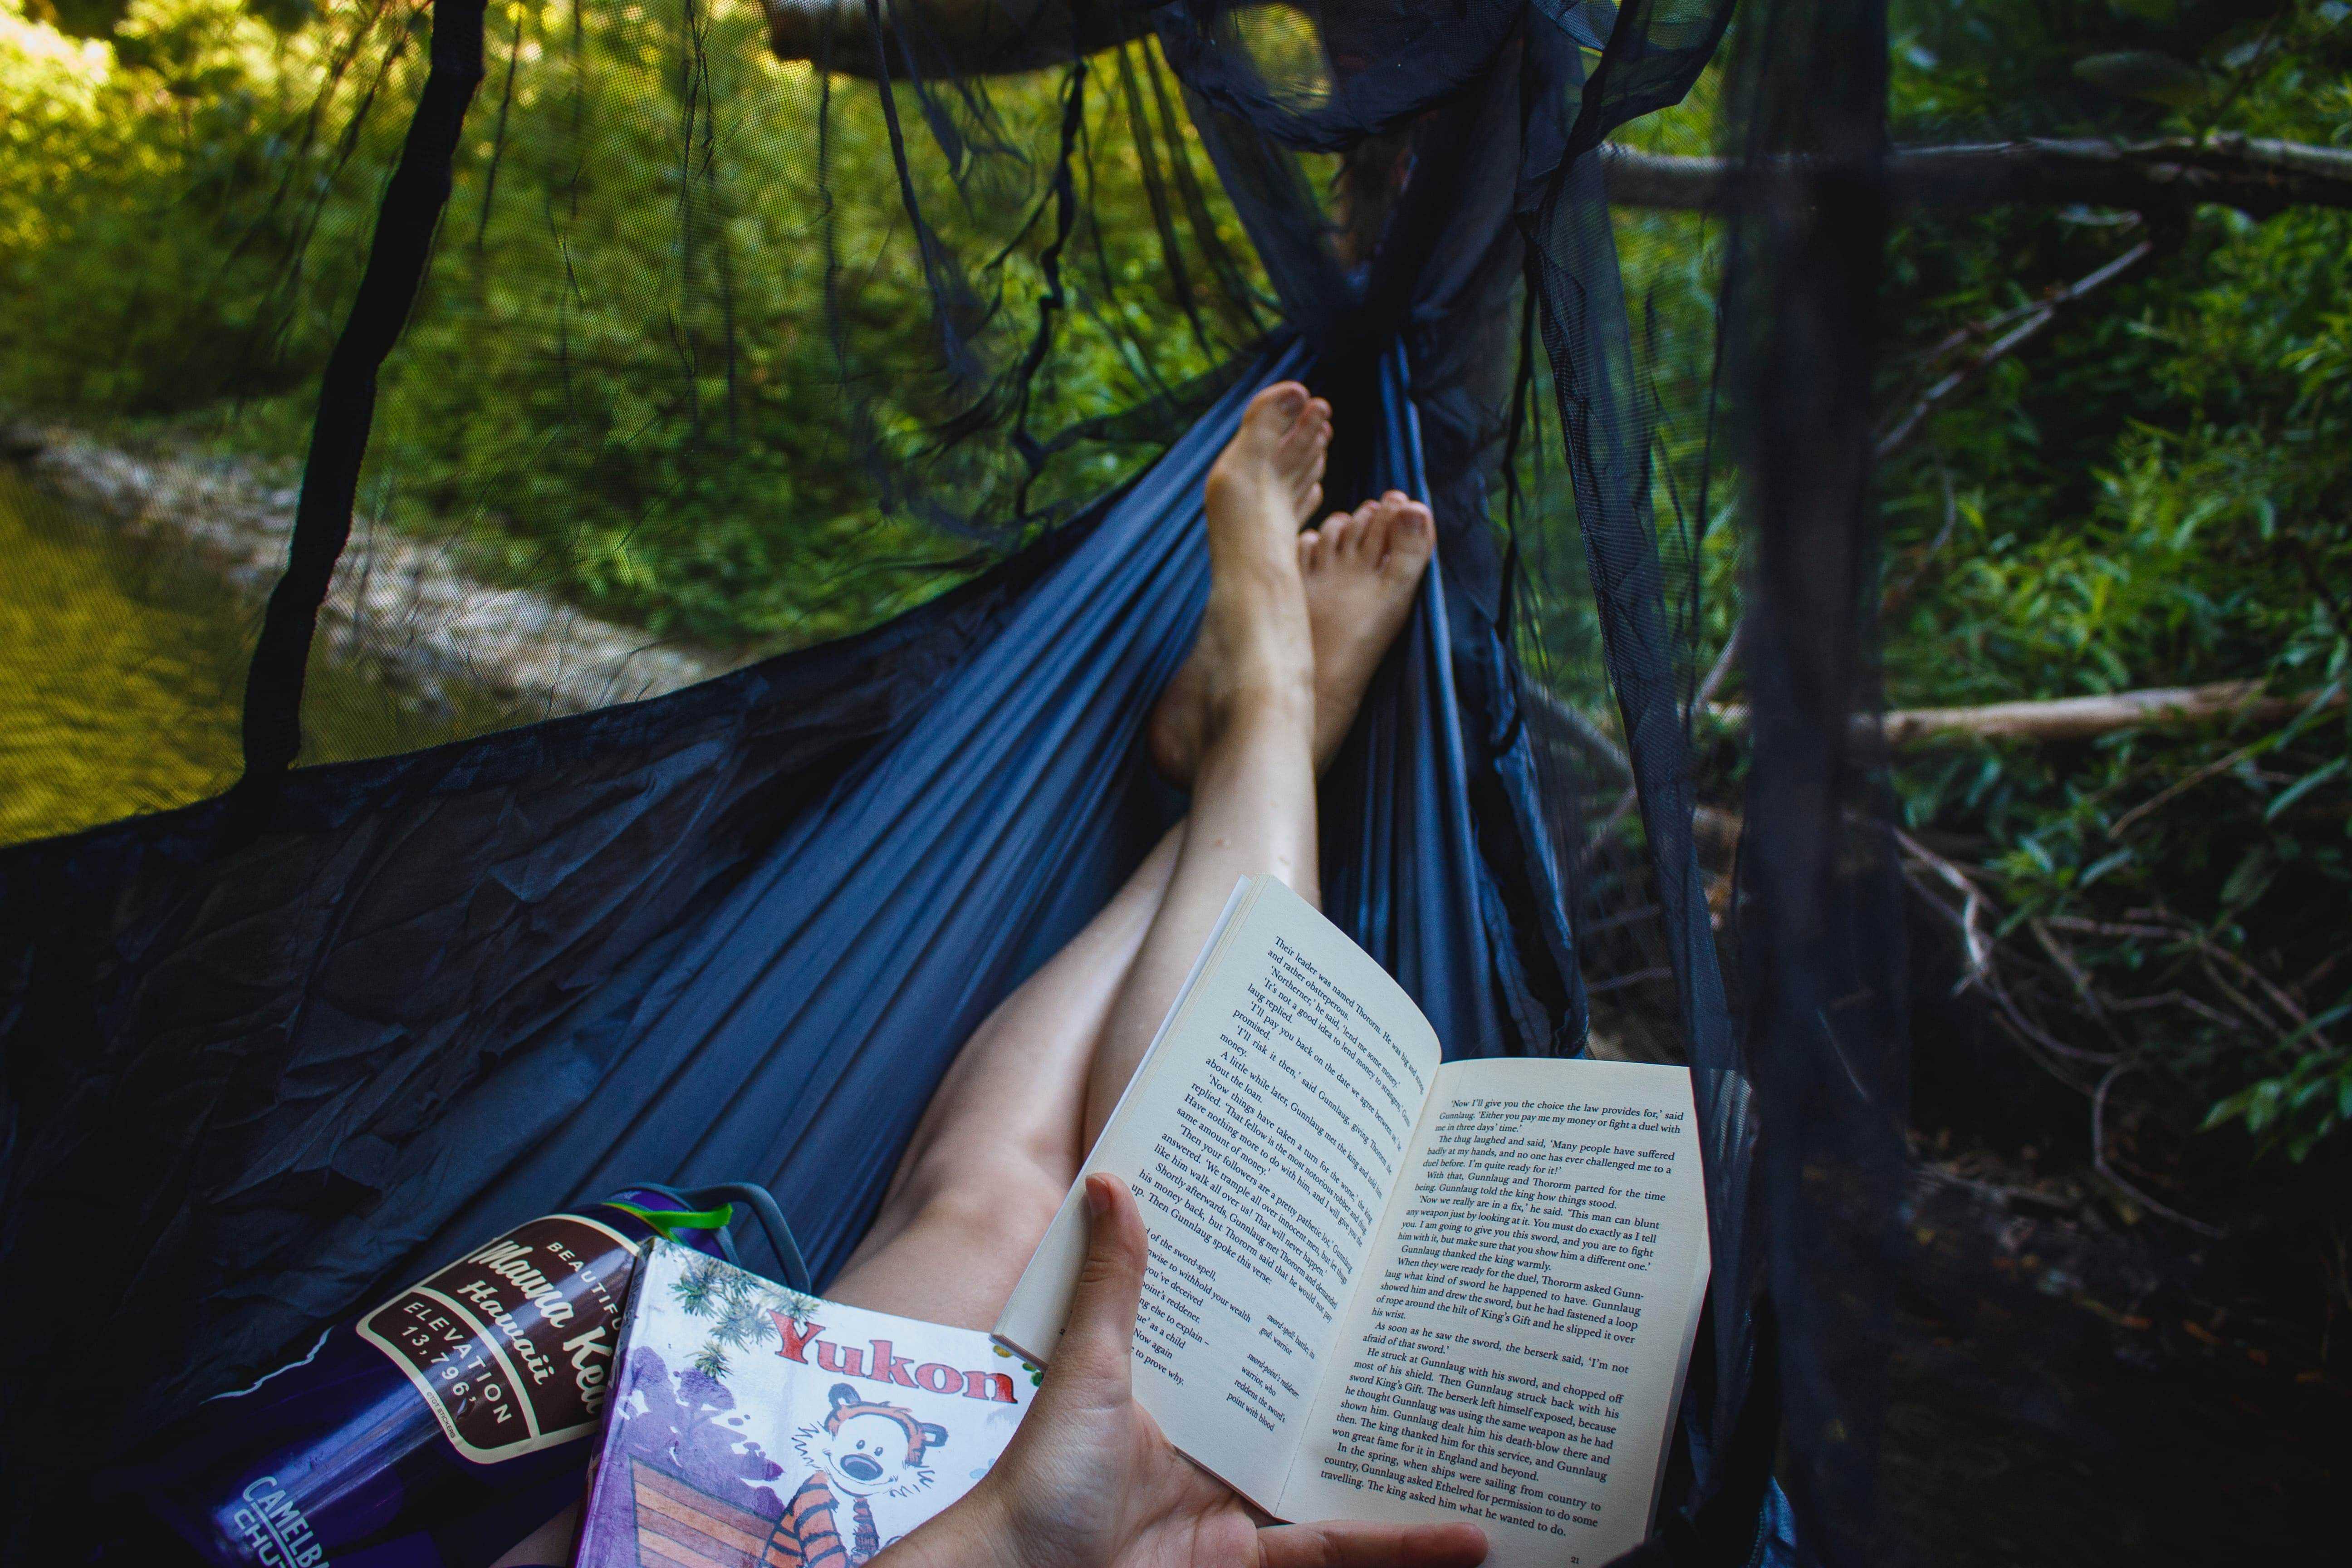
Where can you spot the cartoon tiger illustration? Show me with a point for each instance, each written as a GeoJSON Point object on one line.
{"type": "Point", "coordinates": [859, 1451]}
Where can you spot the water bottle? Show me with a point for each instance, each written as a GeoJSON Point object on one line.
{"type": "Point", "coordinates": [441, 1427]}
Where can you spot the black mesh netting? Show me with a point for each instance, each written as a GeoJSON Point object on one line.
{"type": "Point", "coordinates": [530, 361]}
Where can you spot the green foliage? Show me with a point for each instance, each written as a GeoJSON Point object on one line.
{"type": "Point", "coordinates": [182, 208]}
{"type": "Point", "coordinates": [2150, 491]}
{"type": "Point", "coordinates": [676, 325]}
{"type": "Point", "coordinates": [2153, 492]}
{"type": "Point", "coordinates": [2300, 1107]}
{"type": "Point", "coordinates": [650, 392]}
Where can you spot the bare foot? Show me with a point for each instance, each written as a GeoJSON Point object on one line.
{"type": "Point", "coordinates": [1360, 569]}
{"type": "Point", "coordinates": [1255, 637]}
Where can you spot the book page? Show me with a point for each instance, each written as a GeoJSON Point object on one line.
{"type": "Point", "coordinates": [1516, 1351]}
{"type": "Point", "coordinates": [1262, 1137]}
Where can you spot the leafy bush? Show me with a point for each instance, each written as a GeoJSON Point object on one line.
{"type": "Point", "coordinates": [179, 208]}
{"type": "Point", "coordinates": [2151, 493]}
{"type": "Point", "coordinates": [635, 376]}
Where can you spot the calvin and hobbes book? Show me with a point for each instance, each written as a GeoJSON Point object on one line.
{"type": "Point", "coordinates": [1385, 1286]}
{"type": "Point", "coordinates": [751, 1426]}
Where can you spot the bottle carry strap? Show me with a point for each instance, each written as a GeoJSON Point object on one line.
{"type": "Point", "coordinates": [668, 1223]}
{"type": "Point", "coordinates": [712, 1208]}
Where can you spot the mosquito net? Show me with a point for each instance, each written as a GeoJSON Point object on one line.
{"type": "Point", "coordinates": [535, 366]}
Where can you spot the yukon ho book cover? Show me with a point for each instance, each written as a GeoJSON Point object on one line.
{"type": "Point", "coordinates": [751, 1426]}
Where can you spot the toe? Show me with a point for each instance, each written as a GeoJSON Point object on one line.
{"type": "Point", "coordinates": [1309, 430]}
{"type": "Point", "coordinates": [1306, 476]}
{"type": "Point", "coordinates": [1413, 539]}
{"type": "Point", "coordinates": [1310, 549]}
{"type": "Point", "coordinates": [1315, 451]}
{"type": "Point", "coordinates": [1275, 410]}
{"type": "Point", "coordinates": [1337, 531]}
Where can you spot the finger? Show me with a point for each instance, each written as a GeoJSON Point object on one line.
{"type": "Point", "coordinates": [1098, 1340]}
{"type": "Point", "coordinates": [1349, 1544]}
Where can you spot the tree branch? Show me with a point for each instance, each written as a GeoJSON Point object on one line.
{"type": "Point", "coordinates": [1561, 719]}
{"type": "Point", "coordinates": [2034, 318]}
{"type": "Point", "coordinates": [2258, 175]}
{"type": "Point", "coordinates": [994, 38]}
{"type": "Point", "coordinates": [2080, 718]}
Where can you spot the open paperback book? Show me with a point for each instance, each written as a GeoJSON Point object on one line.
{"type": "Point", "coordinates": [1385, 1286]}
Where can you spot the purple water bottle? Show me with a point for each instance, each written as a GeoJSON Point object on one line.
{"type": "Point", "coordinates": [439, 1428]}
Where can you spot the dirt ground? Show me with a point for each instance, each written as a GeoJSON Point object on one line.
{"type": "Point", "coordinates": [2071, 1389]}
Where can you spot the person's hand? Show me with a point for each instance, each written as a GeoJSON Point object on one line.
{"type": "Point", "coordinates": [1088, 1481]}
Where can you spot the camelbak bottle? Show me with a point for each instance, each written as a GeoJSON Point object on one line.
{"type": "Point", "coordinates": [436, 1429]}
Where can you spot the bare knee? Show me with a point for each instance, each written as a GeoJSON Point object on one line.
{"type": "Point", "coordinates": [1002, 1219]}
{"type": "Point", "coordinates": [952, 1257]}
{"type": "Point", "coordinates": [1014, 1207]}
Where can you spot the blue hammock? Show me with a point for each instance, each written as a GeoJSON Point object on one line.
{"type": "Point", "coordinates": [737, 932]}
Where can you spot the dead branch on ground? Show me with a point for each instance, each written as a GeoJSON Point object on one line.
{"type": "Point", "coordinates": [2258, 175]}
{"type": "Point", "coordinates": [2077, 718]}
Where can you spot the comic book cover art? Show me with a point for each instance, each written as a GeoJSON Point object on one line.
{"type": "Point", "coordinates": [751, 1426]}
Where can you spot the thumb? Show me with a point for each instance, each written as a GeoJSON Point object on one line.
{"type": "Point", "coordinates": [1099, 1338]}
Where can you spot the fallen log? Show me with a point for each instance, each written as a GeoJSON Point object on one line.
{"type": "Point", "coordinates": [2079, 718]}
{"type": "Point", "coordinates": [2258, 175]}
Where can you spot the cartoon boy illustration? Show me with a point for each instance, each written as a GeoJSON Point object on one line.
{"type": "Point", "coordinates": [859, 1451]}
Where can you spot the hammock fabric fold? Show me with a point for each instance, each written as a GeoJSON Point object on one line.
{"type": "Point", "coordinates": [734, 933]}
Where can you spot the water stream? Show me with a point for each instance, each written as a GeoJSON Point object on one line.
{"type": "Point", "coordinates": [124, 663]}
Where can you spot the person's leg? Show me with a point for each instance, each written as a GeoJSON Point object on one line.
{"type": "Point", "coordinates": [1295, 626]}
{"type": "Point", "coordinates": [1271, 715]}
{"type": "Point", "coordinates": [1007, 1129]}
{"type": "Point", "coordinates": [1000, 1140]}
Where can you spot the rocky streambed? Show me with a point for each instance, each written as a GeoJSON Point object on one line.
{"type": "Point", "coordinates": [406, 606]}
{"type": "Point", "coordinates": [133, 577]}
